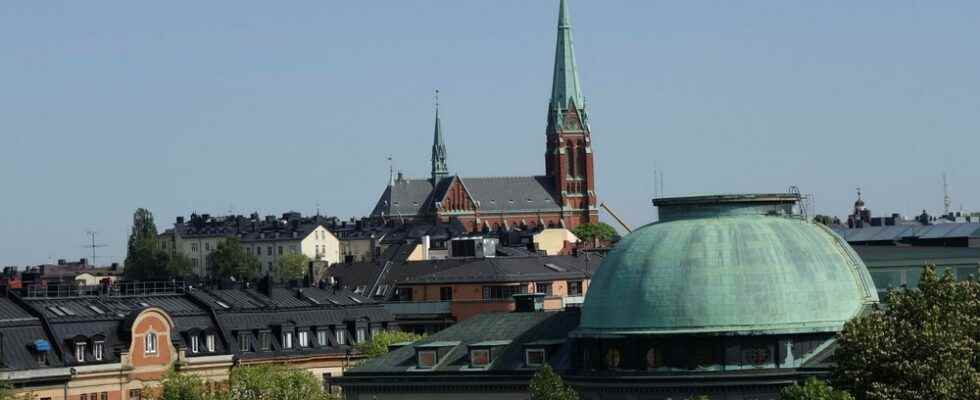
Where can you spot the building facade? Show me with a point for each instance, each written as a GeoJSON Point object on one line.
{"type": "Point", "coordinates": [117, 342]}
{"type": "Point", "coordinates": [267, 239]}
{"type": "Point", "coordinates": [565, 196]}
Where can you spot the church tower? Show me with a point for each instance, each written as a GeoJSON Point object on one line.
{"type": "Point", "coordinates": [439, 168]}
{"type": "Point", "coordinates": [568, 159]}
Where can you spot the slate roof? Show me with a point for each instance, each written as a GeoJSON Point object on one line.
{"type": "Point", "coordinates": [916, 256]}
{"type": "Point", "coordinates": [416, 197]}
{"type": "Point", "coordinates": [899, 233]}
{"type": "Point", "coordinates": [517, 328]}
{"type": "Point", "coordinates": [18, 330]}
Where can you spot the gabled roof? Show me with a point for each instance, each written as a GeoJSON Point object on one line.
{"type": "Point", "coordinates": [513, 193]}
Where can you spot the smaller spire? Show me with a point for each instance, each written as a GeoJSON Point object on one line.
{"type": "Point", "coordinates": [439, 167]}
{"type": "Point", "coordinates": [565, 86]}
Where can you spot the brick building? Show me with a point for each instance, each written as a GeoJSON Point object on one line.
{"type": "Point", "coordinates": [565, 196]}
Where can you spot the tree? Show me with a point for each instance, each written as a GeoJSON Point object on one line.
{"type": "Point", "coordinates": [272, 381]}
{"type": "Point", "coordinates": [291, 266]}
{"type": "Point", "coordinates": [378, 345]}
{"type": "Point", "coordinates": [144, 259]}
{"type": "Point", "coordinates": [547, 385]}
{"type": "Point", "coordinates": [591, 232]}
{"type": "Point", "coordinates": [260, 382]}
{"type": "Point", "coordinates": [824, 219]}
{"type": "Point", "coordinates": [924, 345]}
{"type": "Point", "coordinates": [6, 391]}
{"type": "Point", "coordinates": [231, 260]}
{"type": "Point", "coordinates": [179, 265]}
{"type": "Point", "coordinates": [813, 389]}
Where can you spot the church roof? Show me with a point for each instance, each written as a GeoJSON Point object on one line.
{"type": "Point", "coordinates": [414, 197]}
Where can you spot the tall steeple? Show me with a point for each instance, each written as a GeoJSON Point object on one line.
{"type": "Point", "coordinates": [568, 157]}
{"type": "Point", "coordinates": [439, 168]}
{"type": "Point", "coordinates": [565, 87]}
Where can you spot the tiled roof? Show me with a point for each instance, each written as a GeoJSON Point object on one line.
{"type": "Point", "coordinates": [414, 197]}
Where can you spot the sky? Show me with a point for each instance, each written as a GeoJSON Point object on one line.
{"type": "Point", "coordinates": [244, 106]}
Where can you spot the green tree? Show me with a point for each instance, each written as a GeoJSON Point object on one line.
{"type": "Point", "coordinates": [6, 391]}
{"type": "Point", "coordinates": [144, 259]}
{"type": "Point", "coordinates": [271, 381]}
{"type": "Point", "coordinates": [231, 260]}
{"type": "Point", "coordinates": [590, 232]}
{"type": "Point", "coordinates": [179, 265]}
{"type": "Point", "coordinates": [547, 385]}
{"type": "Point", "coordinates": [291, 266]}
{"type": "Point", "coordinates": [378, 345]}
{"type": "Point", "coordinates": [824, 219]}
{"type": "Point", "coordinates": [813, 389]}
{"type": "Point", "coordinates": [924, 345]}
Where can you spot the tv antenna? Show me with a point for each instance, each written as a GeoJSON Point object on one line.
{"type": "Point", "coordinates": [93, 245]}
{"type": "Point", "coordinates": [946, 200]}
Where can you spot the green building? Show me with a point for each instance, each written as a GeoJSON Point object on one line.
{"type": "Point", "coordinates": [732, 297]}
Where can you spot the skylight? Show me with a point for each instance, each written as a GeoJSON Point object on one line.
{"type": "Point", "coordinates": [56, 311]}
{"type": "Point", "coordinates": [67, 310]}
{"type": "Point", "coordinates": [222, 304]}
{"type": "Point", "coordinates": [96, 309]}
{"type": "Point", "coordinates": [354, 299]}
{"type": "Point", "coordinates": [554, 267]}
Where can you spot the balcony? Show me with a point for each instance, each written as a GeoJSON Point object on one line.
{"type": "Point", "coordinates": [418, 307]}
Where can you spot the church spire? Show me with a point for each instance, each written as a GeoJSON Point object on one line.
{"type": "Point", "coordinates": [565, 87]}
{"type": "Point", "coordinates": [439, 167]}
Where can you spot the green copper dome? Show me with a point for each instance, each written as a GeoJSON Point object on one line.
{"type": "Point", "coordinates": [735, 264]}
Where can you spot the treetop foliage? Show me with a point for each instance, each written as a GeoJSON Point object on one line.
{"type": "Point", "coordinates": [589, 232]}
{"type": "Point", "coordinates": [378, 345]}
{"type": "Point", "coordinates": [547, 385]}
{"type": "Point", "coordinates": [231, 260]}
{"type": "Point", "coordinates": [813, 389]}
{"type": "Point", "coordinates": [925, 344]}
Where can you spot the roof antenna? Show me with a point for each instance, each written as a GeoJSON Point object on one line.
{"type": "Point", "coordinates": [93, 246]}
{"type": "Point", "coordinates": [946, 200]}
{"type": "Point", "coordinates": [391, 172]}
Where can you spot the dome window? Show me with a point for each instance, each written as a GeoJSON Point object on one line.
{"type": "Point", "coordinates": [535, 357]}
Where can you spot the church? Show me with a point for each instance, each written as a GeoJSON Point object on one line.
{"type": "Point", "coordinates": [564, 196]}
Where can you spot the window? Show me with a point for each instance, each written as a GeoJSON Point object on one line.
{"type": "Point", "coordinates": [150, 343]}
{"type": "Point", "coordinates": [104, 396]}
{"type": "Point", "coordinates": [361, 335]}
{"type": "Point", "coordinates": [209, 340]}
{"type": "Point", "coordinates": [543, 287]}
{"type": "Point", "coordinates": [258, 250]}
{"type": "Point", "coordinates": [534, 357]}
{"type": "Point", "coordinates": [321, 337]}
{"type": "Point", "coordinates": [287, 340]}
{"type": "Point", "coordinates": [328, 382]}
{"type": "Point", "coordinates": [304, 339]}
{"type": "Point", "coordinates": [195, 344]}
{"type": "Point", "coordinates": [502, 292]}
{"type": "Point", "coordinates": [445, 293]}
{"type": "Point", "coordinates": [207, 246]}
{"type": "Point", "coordinates": [80, 352]}
{"type": "Point", "coordinates": [83, 396]}
{"type": "Point", "coordinates": [135, 394]}
{"type": "Point", "coordinates": [268, 250]}
{"type": "Point", "coordinates": [42, 358]}
{"type": "Point", "coordinates": [574, 288]}
{"type": "Point", "coordinates": [93, 396]}
{"type": "Point", "coordinates": [266, 341]}
{"type": "Point", "coordinates": [480, 358]}
{"type": "Point", "coordinates": [280, 250]}
{"type": "Point", "coordinates": [427, 359]}
{"type": "Point", "coordinates": [97, 350]}
{"type": "Point", "coordinates": [194, 247]}
{"type": "Point", "coordinates": [243, 344]}
{"type": "Point", "coordinates": [341, 337]}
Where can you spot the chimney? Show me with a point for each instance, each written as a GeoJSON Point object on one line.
{"type": "Point", "coordinates": [426, 243]}
{"type": "Point", "coordinates": [61, 261]}
{"type": "Point", "coordinates": [180, 220]}
{"type": "Point", "coordinates": [83, 262]}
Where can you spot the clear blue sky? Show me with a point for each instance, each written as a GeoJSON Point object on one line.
{"type": "Point", "coordinates": [183, 106]}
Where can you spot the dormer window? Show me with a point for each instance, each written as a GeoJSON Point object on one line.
{"type": "Point", "coordinates": [427, 359]}
{"type": "Point", "coordinates": [304, 339]}
{"type": "Point", "coordinates": [361, 335]}
{"type": "Point", "coordinates": [479, 358]}
{"type": "Point", "coordinates": [243, 343]}
{"type": "Point", "coordinates": [341, 336]}
{"type": "Point", "coordinates": [534, 357]}
{"type": "Point", "coordinates": [287, 340]}
{"type": "Point", "coordinates": [195, 344]}
{"type": "Point", "coordinates": [150, 343]}
{"type": "Point", "coordinates": [209, 341]}
{"type": "Point", "coordinates": [265, 341]}
{"type": "Point", "coordinates": [321, 337]}
{"type": "Point", "coordinates": [80, 352]}
{"type": "Point", "coordinates": [98, 347]}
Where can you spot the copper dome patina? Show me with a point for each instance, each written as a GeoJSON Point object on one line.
{"type": "Point", "coordinates": [729, 264]}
